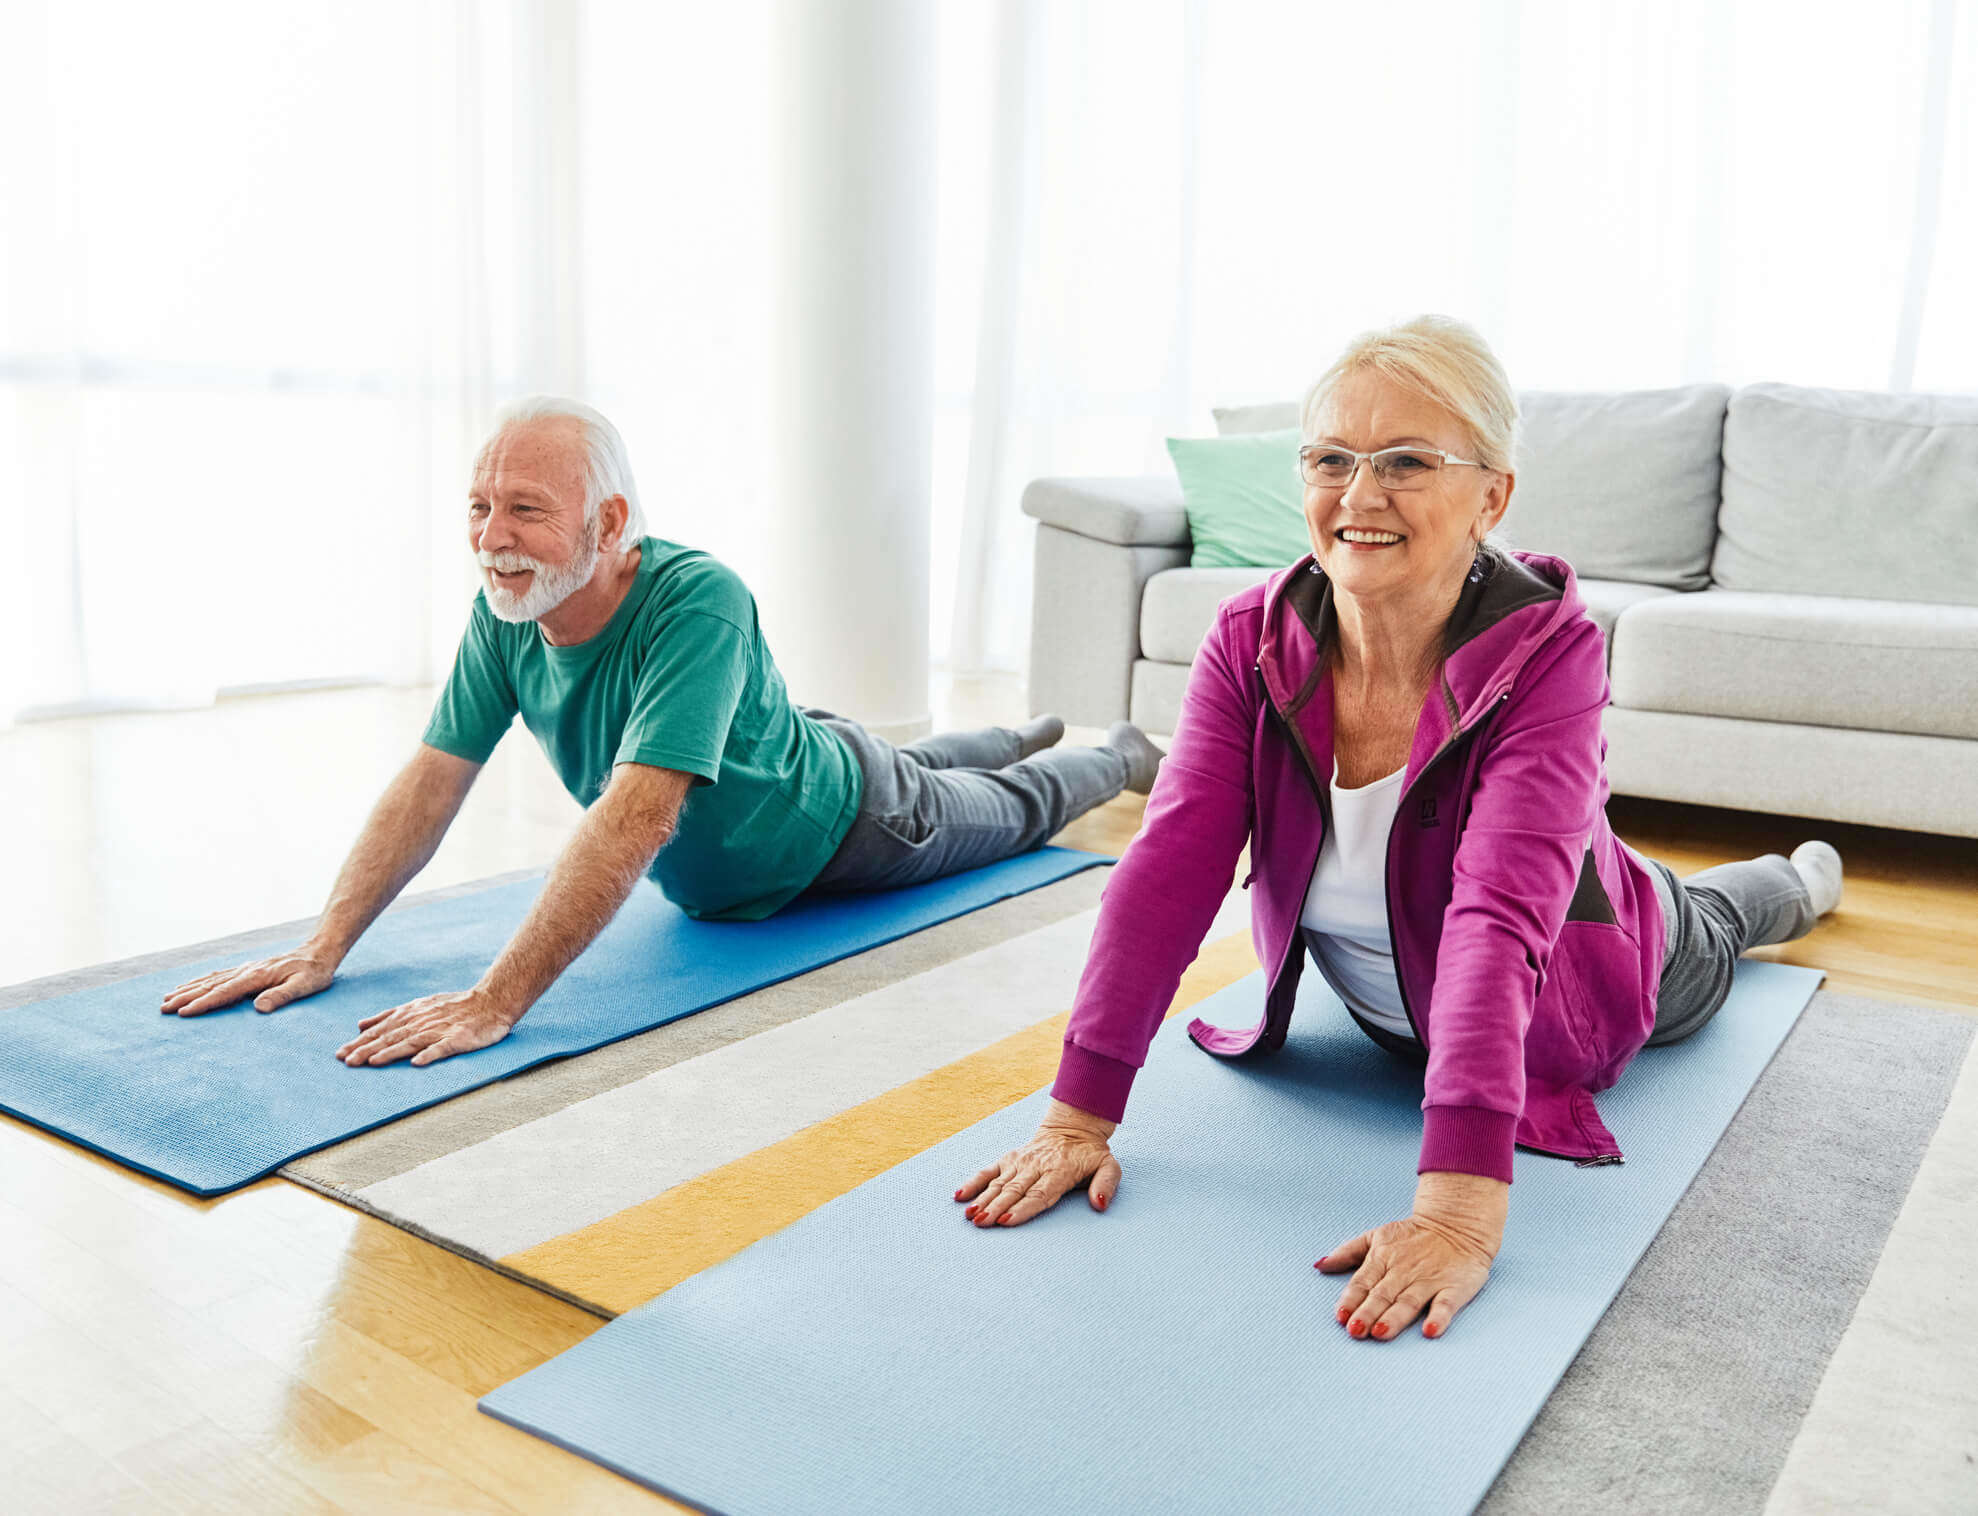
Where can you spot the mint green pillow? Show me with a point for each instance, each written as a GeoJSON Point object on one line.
{"type": "Point", "coordinates": [1244, 500]}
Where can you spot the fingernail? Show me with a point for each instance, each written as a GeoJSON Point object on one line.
{"type": "Point", "coordinates": [1322, 1262]}
{"type": "Point", "coordinates": [1102, 1202]}
{"type": "Point", "coordinates": [970, 1212]}
{"type": "Point", "coordinates": [1358, 1329]}
{"type": "Point", "coordinates": [1380, 1329]}
{"type": "Point", "coordinates": [1431, 1330]}
{"type": "Point", "coordinates": [1340, 1315]}
{"type": "Point", "coordinates": [958, 1194]}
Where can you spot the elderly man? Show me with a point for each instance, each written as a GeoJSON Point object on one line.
{"type": "Point", "coordinates": [640, 667]}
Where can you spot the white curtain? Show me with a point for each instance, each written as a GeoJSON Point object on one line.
{"type": "Point", "coordinates": [1182, 204]}
{"type": "Point", "coordinates": [265, 270]}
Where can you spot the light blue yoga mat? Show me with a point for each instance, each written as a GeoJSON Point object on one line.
{"type": "Point", "coordinates": [1177, 1353]}
{"type": "Point", "coordinates": [211, 1102]}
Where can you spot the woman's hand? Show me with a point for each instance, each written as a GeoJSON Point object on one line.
{"type": "Point", "coordinates": [1069, 1148]}
{"type": "Point", "coordinates": [1439, 1257]}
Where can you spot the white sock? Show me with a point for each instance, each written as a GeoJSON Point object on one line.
{"type": "Point", "coordinates": [1819, 865]}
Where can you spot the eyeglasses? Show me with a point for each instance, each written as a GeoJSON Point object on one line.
{"type": "Point", "coordinates": [1395, 468]}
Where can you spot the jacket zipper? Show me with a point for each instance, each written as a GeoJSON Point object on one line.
{"type": "Point", "coordinates": [1461, 735]}
{"type": "Point", "coordinates": [1318, 794]}
{"type": "Point", "coordinates": [1325, 814]}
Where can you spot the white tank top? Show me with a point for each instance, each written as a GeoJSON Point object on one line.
{"type": "Point", "coordinates": [1345, 916]}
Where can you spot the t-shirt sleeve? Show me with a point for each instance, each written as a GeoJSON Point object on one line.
{"type": "Point", "coordinates": [684, 701]}
{"type": "Point", "coordinates": [478, 704]}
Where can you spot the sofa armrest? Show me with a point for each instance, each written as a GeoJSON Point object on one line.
{"type": "Point", "coordinates": [1138, 511]}
{"type": "Point", "coordinates": [1085, 622]}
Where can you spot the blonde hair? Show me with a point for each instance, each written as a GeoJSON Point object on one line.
{"type": "Point", "coordinates": [1443, 360]}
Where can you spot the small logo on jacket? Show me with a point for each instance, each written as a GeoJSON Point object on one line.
{"type": "Point", "coordinates": [1428, 812]}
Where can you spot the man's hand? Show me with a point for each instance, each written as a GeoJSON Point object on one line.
{"type": "Point", "coordinates": [404, 830]}
{"type": "Point", "coordinates": [1439, 1257]}
{"type": "Point", "coordinates": [431, 1027]}
{"type": "Point", "coordinates": [273, 982]}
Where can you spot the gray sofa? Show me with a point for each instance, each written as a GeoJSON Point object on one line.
{"type": "Point", "coordinates": [1787, 579]}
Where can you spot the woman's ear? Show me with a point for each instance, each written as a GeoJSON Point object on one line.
{"type": "Point", "coordinates": [1497, 499]}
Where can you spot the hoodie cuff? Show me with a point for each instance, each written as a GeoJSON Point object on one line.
{"type": "Point", "coordinates": [1466, 1139]}
{"type": "Point", "coordinates": [1093, 1082]}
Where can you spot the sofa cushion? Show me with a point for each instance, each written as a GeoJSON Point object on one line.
{"type": "Point", "coordinates": [1271, 416]}
{"type": "Point", "coordinates": [1621, 485]}
{"type": "Point", "coordinates": [1244, 501]}
{"type": "Point", "coordinates": [1607, 598]}
{"type": "Point", "coordinates": [1817, 660]}
{"type": "Point", "coordinates": [1179, 606]}
{"type": "Point", "coordinates": [1844, 492]}
{"type": "Point", "coordinates": [1154, 703]}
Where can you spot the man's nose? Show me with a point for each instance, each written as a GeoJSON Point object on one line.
{"type": "Point", "coordinates": [495, 534]}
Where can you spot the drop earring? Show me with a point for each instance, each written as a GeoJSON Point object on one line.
{"type": "Point", "coordinates": [1476, 563]}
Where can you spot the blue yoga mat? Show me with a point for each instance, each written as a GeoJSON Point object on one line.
{"type": "Point", "coordinates": [209, 1103]}
{"type": "Point", "coordinates": [1177, 1353]}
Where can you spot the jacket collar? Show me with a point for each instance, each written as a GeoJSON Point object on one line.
{"type": "Point", "coordinates": [1498, 623]}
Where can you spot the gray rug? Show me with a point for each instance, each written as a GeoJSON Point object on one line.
{"type": "Point", "coordinates": [1689, 1392]}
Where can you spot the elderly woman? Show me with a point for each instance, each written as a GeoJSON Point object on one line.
{"type": "Point", "coordinates": [1405, 728]}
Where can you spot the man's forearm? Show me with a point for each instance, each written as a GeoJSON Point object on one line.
{"type": "Point", "coordinates": [399, 839]}
{"type": "Point", "coordinates": [613, 847]}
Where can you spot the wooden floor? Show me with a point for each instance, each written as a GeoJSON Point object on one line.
{"type": "Point", "coordinates": [274, 1351]}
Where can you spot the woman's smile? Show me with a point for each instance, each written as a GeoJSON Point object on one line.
{"type": "Point", "coordinates": [1368, 539]}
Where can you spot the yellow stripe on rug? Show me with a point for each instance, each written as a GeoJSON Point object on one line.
{"type": "Point", "coordinates": [644, 1250]}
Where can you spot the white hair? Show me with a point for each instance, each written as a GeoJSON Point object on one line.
{"type": "Point", "coordinates": [607, 466]}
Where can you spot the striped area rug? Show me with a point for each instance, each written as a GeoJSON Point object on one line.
{"type": "Point", "coordinates": [1803, 1335]}
{"type": "Point", "coordinates": [1768, 1353]}
{"type": "Point", "coordinates": [609, 1178]}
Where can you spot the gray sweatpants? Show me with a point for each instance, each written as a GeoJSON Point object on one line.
{"type": "Point", "coordinates": [958, 800]}
{"type": "Point", "coordinates": [1713, 916]}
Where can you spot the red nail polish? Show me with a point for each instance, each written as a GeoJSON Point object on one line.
{"type": "Point", "coordinates": [1357, 1330]}
{"type": "Point", "coordinates": [1431, 1330]}
{"type": "Point", "coordinates": [1322, 1262]}
{"type": "Point", "coordinates": [958, 1194]}
{"type": "Point", "coordinates": [970, 1213]}
{"type": "Point", "coordinates": [1380, 1330]}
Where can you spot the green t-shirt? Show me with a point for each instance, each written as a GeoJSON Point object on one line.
{"type": "Point", "coordinates": [680, 678]}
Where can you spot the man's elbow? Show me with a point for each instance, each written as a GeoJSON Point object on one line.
{"type": "Point", "coordinates": [644, 805]}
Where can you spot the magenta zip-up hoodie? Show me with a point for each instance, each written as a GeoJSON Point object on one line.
{"type": "Point", "coordinates": [1527, 937]}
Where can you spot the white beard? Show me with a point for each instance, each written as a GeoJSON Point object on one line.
{"type": "Point", "coordinates": [550, 588]}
